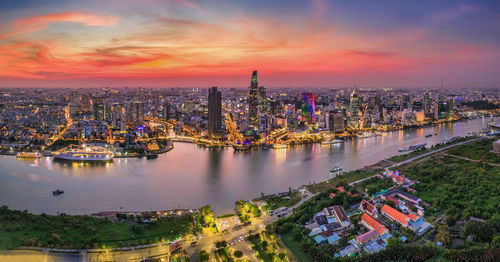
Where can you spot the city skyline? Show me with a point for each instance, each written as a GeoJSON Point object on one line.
{"type": "Point", "coordinates": [292, 43]}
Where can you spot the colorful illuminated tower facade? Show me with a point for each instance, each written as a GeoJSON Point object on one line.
{"type": "Point", "coordinates": [308, 107]}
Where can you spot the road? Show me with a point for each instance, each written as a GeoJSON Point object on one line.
{"type": "Point", "coordinates": [433, 152]}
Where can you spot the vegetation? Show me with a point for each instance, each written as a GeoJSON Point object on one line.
{"type": "Point", "coordinates": [20, 228]}
{"type": "Point", "coordinates": [247, 210]}
{"type": "Point", "coordinates": [457, 186]}
{"type": "Point", "coordinates": [374, 185]}
{"type": "Point", "coordinates": [341, 180]}
{"type": "Point", "coordinates": [415, 153]}
{"type": "Point", "coordinates": [208, 217]}
{"type": "Point", "coordinates": [204, 256]}
{"type": "Point", "coordinates": [266, 251]}
{"type": "Point", "coordinates": [295, 247]}
{"type": "Point", "coordinates": [479, 150]}
{"type": "Point", "coordinates": [276, 202]}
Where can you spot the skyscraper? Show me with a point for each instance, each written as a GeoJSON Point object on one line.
{"type": "Point", "coordinates": [354, 107]}
{"type": "Point", "coordinates": [214, 110]}
{"type": "Point", "coordinates": [253, 101]}
{"type": "Point", "coordinates": [308, 107]}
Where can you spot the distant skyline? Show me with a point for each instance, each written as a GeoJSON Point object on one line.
{"type": "Point", "coordinates": [187, 43]}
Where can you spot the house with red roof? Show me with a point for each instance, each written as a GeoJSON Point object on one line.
{"type": "Point", "coordinates": [362, 239]}
{"type": "Point", "coordinates": [372, 224]}
{"type": "Point", "coordinates": [368, 208]}
{"type": "Point", "coordinates": [395, 215]}
{"type": "Point", "coordinates": [393, 200]}
{"type": "Point", "coordinates": [341, 189]}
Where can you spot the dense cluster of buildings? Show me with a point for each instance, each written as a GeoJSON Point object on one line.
{"type": "Point", "coordinates": [37, 116]}
{"type": "Point", "coordinates": [380, 216]}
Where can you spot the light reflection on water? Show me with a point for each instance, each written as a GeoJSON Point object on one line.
{"type": "Point", "coordinates": [189, 176]}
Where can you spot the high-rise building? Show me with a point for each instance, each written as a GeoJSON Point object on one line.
{"type": "Point", "coordinates": [336, 123]}
{"type": "Point", "coordinates": [135, 112]}
{"type": "Point", "coordinates": [354, 107]}
{"type": "Point", "coordinates": [214, 110]}
{"type": "Point", "coordinates": [308, 107]}
{"type": "Point", "coordinates": [253, 101]}
{"type": "Point", "coordinates": [99, 106]}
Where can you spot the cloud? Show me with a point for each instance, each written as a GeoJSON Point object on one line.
{"type": "Point", "coordinates": [36, 23]}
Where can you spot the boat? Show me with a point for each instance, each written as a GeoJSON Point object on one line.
{"type": "Point", "coordinates": [29, 155]}
{"type": "Point", "coordinates": [332, 142]}
{"type": "Point", "coordinates": [84, 154]}
{"type": "Point", "coordinates": [242, 147]}
{"type": "Point", "coordinates": [151, 156]}
{"type": "Point", "coordinates": [494, 125]}
{"type": "Point", "coordinates": [57, 192]}
{"type": "Point", "coordinates": [337, 170]}
{"type": "Point", "coordinates": [280, 146]}
{"type": "Point", "coordinates": [403, 150]}
{"type": "Point", "coordinates": [429, 135]}
{"type": "Point", "coordinates": [417, 146]}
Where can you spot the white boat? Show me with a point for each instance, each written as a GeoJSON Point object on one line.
{"type": "Point", "coordinates": [332, 141]}
{"type": "Point", "coordinates": [29, 155]}
{"type": "Point", "coordinates": [280, 146]}
{"type": "Point", "coordinates": [84, 154]}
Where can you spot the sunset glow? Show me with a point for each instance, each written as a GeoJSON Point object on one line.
{"type": "Point", "coordinates": [292, 43]}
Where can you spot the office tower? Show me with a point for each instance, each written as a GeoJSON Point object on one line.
{"type": "Point", "coordinates": [427, 104]}
{"type": "Point", "coordinates": [354, 107]}
{"type": "Point", "coordinates": [99, 109]}
{"type": "Point", "coordinates": [167, 108]}
{"type": "Point", "coordinates": [214, 110]}
{"type": "Point", "coordinates": [336, 123]}
{"type": "Point", "coordinates": [253, 101]}
{"type": "Point", "coordinates": [135, 112]}
{"type": "Point", "coordinates": [308, 107]}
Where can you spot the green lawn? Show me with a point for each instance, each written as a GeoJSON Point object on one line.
{"type": "Point", "coordinates": [294, 247]}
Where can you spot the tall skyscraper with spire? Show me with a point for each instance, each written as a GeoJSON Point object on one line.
{"type": "Point", "coordinates": [253, 101]}
{"type": "Point", "coordinates": [354, 106]}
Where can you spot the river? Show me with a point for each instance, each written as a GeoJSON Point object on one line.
{"type": "Point", "coordinates": [190, 177]}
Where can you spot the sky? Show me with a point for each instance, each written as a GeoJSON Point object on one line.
{"type": "Point", "coordinates": [292, 43]}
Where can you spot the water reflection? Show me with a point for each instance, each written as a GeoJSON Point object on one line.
{"type": "Point", "coordinates": [191, 177]}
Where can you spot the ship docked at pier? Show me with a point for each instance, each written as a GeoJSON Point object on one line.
{"type": "Point", "coordinates": [84, 153]}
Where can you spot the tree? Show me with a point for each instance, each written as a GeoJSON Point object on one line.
{"type": "Point", "coordinates": [204, 256]}
{"type": "Point", "coordinates": [394, 242]}
{"type": "Point", "coordinates": [238, 254]}
{"type": "Point", "coordinates": [443, 235]}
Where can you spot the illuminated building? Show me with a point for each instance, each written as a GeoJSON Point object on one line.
{"type": "Point", "coordinates": [253, 101]}
{"type": "Point", "coordinates": [336, 123]}
{"type": "Point", "coordinates": [354, 107]}
{"type": "Point", "coordinates": [214, 110]}
{"type": "Point", "coordinates": [308, 107]}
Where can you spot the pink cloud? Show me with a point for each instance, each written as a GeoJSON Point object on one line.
{"type": "Point", "coordinates": [35, 23]}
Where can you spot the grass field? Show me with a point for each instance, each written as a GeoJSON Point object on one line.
{"type": "Point", "coordinates": [294, 247]}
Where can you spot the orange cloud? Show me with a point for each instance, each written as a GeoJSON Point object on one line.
{"type": "Point", "coordinates": [35, 23]}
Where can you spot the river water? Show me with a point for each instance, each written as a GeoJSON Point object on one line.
{"type": "Point", "coordinates": [190, 177]}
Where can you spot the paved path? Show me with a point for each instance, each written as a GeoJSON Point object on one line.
{"type": "Point", "coordinates": [433, 152]}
